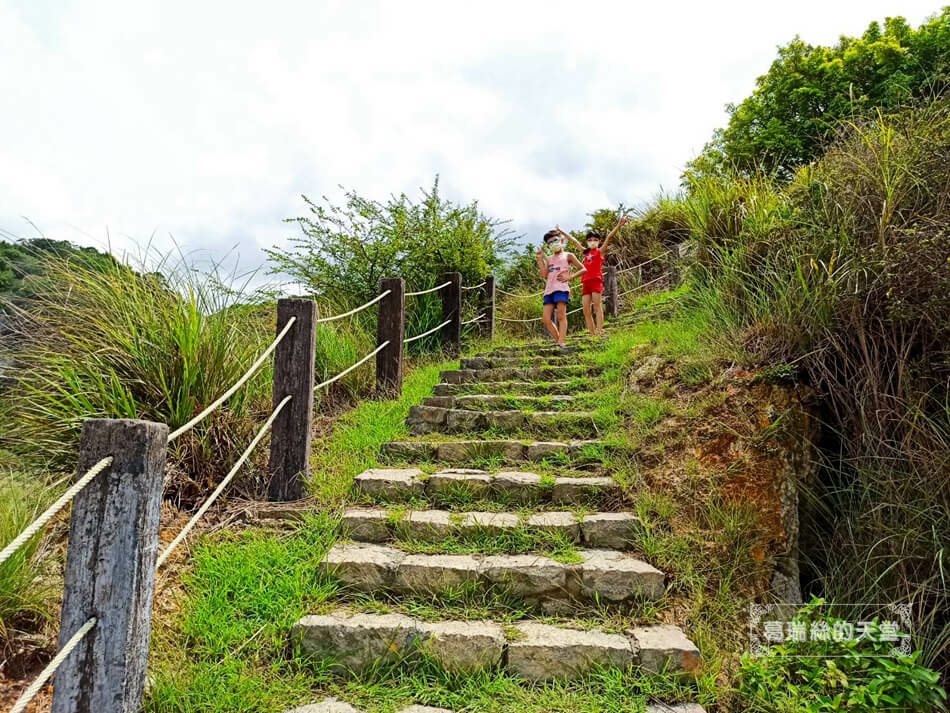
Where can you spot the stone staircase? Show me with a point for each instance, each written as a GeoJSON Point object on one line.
{"type": "Point", "coordinates": [432, 497]}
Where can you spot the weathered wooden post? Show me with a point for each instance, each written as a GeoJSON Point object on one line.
{"type": "Point", "coordinates": [611, 308]}
{"type": "Point", "coordinates": [391, 325]}
{"type": "Point", "coordinates": [110, 568]}
{"type": "Point", "coordinates": [293, 375]}
{"type": "Point", "coordinates": [487, 325]}
{"type": "Point", "coordinates": [452, 310]}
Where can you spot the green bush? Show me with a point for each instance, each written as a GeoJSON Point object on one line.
{"type": "Point", "coordinates": [847, 675]}
{"type": "Point", "coordinates": [796, 107]}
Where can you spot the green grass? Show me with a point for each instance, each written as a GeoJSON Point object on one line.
{"type": "Point", "coordinates": [23, 596]}
{"type": "Point", "coordinates": [353, 445]}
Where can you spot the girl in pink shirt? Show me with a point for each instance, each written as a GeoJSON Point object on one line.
{"type": "Point", "coordinates": [556, 273]}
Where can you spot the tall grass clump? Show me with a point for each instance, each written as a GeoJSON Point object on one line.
{"type": "Point", "coordinates": [845, 271]}
{"type": "Point", "coordinates": [23, 598]}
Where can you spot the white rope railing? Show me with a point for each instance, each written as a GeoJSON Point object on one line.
{"type": "Point", "coordinates": [53, 509]}
{"type": "Point", "coordinates": [240, 382]}
{"type": "Point", "coordinates": [373, 301]}
{"type": "Point", "coordinates": [646, 262]}
{"type": "Point", "coordinates": [474, 287]}
{"type": "Point", "coordinates": [514, 294]}
{"type": "Point", "coordinates": [474, 319]}
{"type": "Point", "coordinates": [433, 289]}
{"type": "Point", "coordinates": [30, 693]}
{"type": "Point", "coordinates": [640, 287]}
{"type": "Point", "coordinates": [220, 489]}
{"type": "Point", "coordinates": [346, 371]}
{"type": "Point", "coordinates": [536, 319]}
{"type": "Point", "coordinates": [426, 334]}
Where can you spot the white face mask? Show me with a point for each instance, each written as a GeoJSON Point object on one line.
{"type": "Point", "coordinates": [593, 244]}
{"type": "Point", "coordinates": [556, 246]}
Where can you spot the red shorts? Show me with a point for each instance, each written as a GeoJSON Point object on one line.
{"type": "Point", "coordinates": [589, 287]}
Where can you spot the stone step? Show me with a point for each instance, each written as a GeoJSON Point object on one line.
{"type": "Point", "coordinates": [434, 419]}
{"type": "Point", "coordinates": [589, 451]}
{"type": "Point", "coordinates": [485, 402]}
{"type": "Point", "coordinates": [551, 586]}
{"type": "Point", "coordinates": [526, 388]}
{"type": "Point", "coordinates": [600, 530]}
{"type": "Point", "coordinates": [536, 349]}
{"type": "Point", "coordinates": [509, 362]}
{"type": "Point", "coordinates": [352, 642]}
{"type": "Point", "coordinates": [516, 487]}
{"type": "Point", "coordinates": [538, 373]}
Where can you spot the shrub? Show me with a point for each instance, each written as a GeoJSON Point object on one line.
{"type": "Point", "coordinates": [846, 675]}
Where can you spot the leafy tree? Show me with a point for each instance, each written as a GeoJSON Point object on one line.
{"type": "Point", "coordinates": [343, 251]}
{"type": "Point", "coordinates": [797, 106]}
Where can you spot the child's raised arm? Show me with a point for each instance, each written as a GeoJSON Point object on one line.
{"type": "Point", "coordinates": [577, 243]}
{"type": "Point", "coordinates": [620, 224]}
{"type": "Point", "coordinates": [542, 267]}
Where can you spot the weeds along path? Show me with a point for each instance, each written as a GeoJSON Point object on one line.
{"type": "Point", "coordinates": [496, 542]}
{"type": "Point", "coordinates": [497, 539]}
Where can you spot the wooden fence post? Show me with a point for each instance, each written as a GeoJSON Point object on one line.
{"type": "Point", "coordinates": [452, 310]}
{"type": "Point", "coordinates": [487, 325]}
{"type": "Point", "coordinates": [611, 308]}
{"type": "Point", "coordinates": [110, 568]}
{"type": "Point", "coordinates": [293, 375]}
{"type": "Point", "coordinates": [391, 325]}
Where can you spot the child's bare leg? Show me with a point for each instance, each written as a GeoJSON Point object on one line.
{"type": "Point", "coordinates": [561, 322]}
{"type": "Point", "coordinates": [585, 300]}
{"type": "Point", "coordinates": [598, 301]}
{"type": "Point", "coordinates": [548, 322]}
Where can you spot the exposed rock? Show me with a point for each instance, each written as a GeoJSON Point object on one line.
{"type": "Point", "coordinates": [665, 647]}
{"type": "Point", "coordinates": [407, 450]}
{"type": "Point", "coordinates": [426, 525]}
{"type": "Point", "coordinates": [431, 574]}
{"type": "Point", "coordinates": [366, 524]}
{"type": "Point", "coordinates": [355, 642]}
{"type": "Point", "coordinates": [518, 487]}
{"type": "Point", "coordinates": [546, 449]}
{"type": "Point", "coordinates": [465, 646]}
{"type": "Point", "coordinates": [562, 523]}
{"type": "Point", "coordinates": [440, 401]}
{"type": "Point", "coordinates": [542, 652]}
{"type": "Point", "coordinates": [526, 575]}
{"type": "Point", "coordinates": [488, 522]}
{"type": "Point", "coordinates": [391, 483]}
{"type": "Point", "coordinates": [363, 566]}
{"type": "Point", "coordinates": [454, 483]}
{"type": "Point", "coordinates": [507, 420]}
{"type": "Point", "coordinates": [579, 490]}
{"type": "Point", "coordinates": [616, 576]}
{"type": "Point", "coordinates": [675, 708]}
{"type": "Point", "coordinates": [610, 530]}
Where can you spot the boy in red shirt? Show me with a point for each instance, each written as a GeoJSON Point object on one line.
{"type": "Point", "coordinates": [593, 280]}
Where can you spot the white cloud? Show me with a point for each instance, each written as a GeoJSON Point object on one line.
{"type": "Point", "coordinates": [207, 120]}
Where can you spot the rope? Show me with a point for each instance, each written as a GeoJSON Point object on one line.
{"type": "Point", "coordinates": [240, 382]}
{"type": "Point", "coordinates": [24, 700]}
{"type": "Point", "coordinates": [652, 259]}
{"type": "Point", "coordinates": [513, 294]}
{"type": "Point", "coordinates": [426, 334]}
{"type": "Point", "coordinates": [425, 292]}
{"type": "Point", "coordinates": [220, 489]}
{"type": "Point", "coordinates": [640, 287]}
{"type": "Point", "coordinates": [346, 371]}
{"type": "Point", "coordinates": [53, 509]}
{"type": "Point", "coordinates": [373, 301]}
{"type": "Point", "coordinates": [475, 287]}
{"type": "Point", "coordinates": [475, 319]}
{"type": "Point", "coordinates": [536, 319]}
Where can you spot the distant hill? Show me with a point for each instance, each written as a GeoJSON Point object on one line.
{"type": "Point", "coordinates": [23, 259]}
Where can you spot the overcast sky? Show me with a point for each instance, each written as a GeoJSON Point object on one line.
{"type": "Point", "coordinates": [206, 121]}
